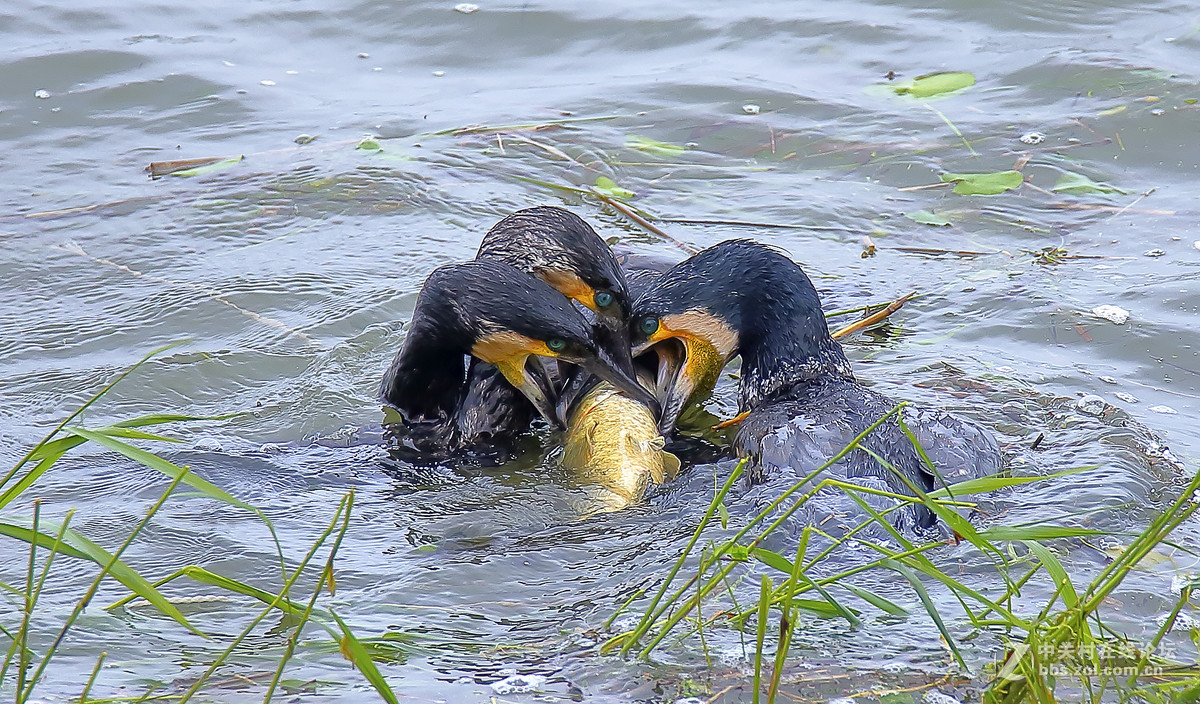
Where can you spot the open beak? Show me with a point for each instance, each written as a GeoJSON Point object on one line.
{"type": "Point", "coordinates": [687, 371]}
{"type": "Point", "coordinates": [530, 376]}
{"type": "Point", "coordinates": [620, 374]}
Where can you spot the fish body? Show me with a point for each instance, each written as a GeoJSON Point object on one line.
{"type": "Point", "coordinates": [613, 446]}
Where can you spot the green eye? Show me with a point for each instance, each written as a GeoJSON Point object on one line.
{"type": "Point", "coordinates": [556, 344]}
{"type": "Point", "coordinates": [649, 325]}
{"type": "Point", "coordinates": [603, 299]}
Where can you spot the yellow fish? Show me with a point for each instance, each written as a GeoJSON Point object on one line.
{"type": "Point", "coordinates": [613, 445]}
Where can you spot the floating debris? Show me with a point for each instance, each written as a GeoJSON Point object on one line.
{"type": "Point", "coordinates": [1196, 244]}
{"type": "Point", "coordinates": [1154, 252]}
{"type": "Point", "coordinates": [304, 138]}
{"type": "Point", "coordinates": [1127, 398]}
{"type": "Point", "coordinates": [1164, 409]}
{"type": "Point", "coordinates": [1113, 314]}
{"type": "Point", "coordinates": [267, 83]}
{"type": "Point", "coordinates": [988, 184]}
{"type": "Point", "coordinates": [519, 684]}
{"type": "Point", "coordinates": [466, 8]}
{"type": "Point", "coordinates": [935, 84]}
{"type": "Point", "coordinates": [363, 55]}
{"type": "Point", "coordinates": [1107, 379]}
{"type": "Point", "coordinates": [750, 109]}
{"type": "Point", "coordinates": [935, 697]}
{"type": "Point", "coordinates": [41, 94]}
{"type": "Point", "coordinates": [1033, 138]}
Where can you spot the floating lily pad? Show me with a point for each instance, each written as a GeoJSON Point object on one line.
{"type": "Point", "coordinates": [606, 186]}
{"type": "Point", "coordinates": [927, 218]}
{"type": "Point", "coordinates": [935, 84]}
{"type": "Point", "coordinates": [653, 146]}
{"type": "Point", "coordinates": [988, 184]}
{"type": "Point", "coordinates": [1071, 182]}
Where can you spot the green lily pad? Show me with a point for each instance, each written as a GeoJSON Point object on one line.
{"type": "Point", "coordinates": [209, 168]}
{"type": "Point", "coordinates": [653, 146]}
{"type": "Point", "coordinates": [1071, 182]}
{"type": "Point", "coordinates": [935, 84]}
{"type": "Point", "coordinates": [988, 184]}
{"type": "Point", "coordinates": [608, 187]}
{"type": "Point", "coordinates": [927, 218]}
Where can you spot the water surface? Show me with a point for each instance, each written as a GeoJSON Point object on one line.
{"type": "Point", "coordinates": [291, 274]}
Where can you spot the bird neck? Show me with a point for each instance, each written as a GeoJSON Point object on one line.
{"type": "Point", "coordinates": [426, 379]}
{"type": "Point", "coordinates": [785, 342]}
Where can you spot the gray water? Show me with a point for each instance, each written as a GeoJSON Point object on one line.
{"type": "Point", "coordinates": [290, 276]}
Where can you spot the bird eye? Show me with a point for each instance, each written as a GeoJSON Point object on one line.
{"type": "Point", "coordinates": [556, 344]}
{"type": "Point", "coordinates": [649, 325]}
{"type": "Point", "coordinates": [603, 299]}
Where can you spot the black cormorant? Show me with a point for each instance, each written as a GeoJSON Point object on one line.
{"type": "Point", "coordinates": [494, 313]}
{"type": "Point", "coordinates": [804, 404]}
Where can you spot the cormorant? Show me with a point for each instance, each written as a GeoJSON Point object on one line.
{"type": "Point", "coordinates": [499, 315]}
{"type": "Point", "coordinates": [804, 404]}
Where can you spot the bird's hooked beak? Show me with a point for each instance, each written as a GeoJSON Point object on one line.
{"type": "Point", "coordinates": [529, 375]}
{"type": "Point", "coordinates": [688, 369]}
{"type": "Point", "coordinates": [614, 364]}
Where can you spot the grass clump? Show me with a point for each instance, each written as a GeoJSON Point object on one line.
{"type": "Point", "coordinates": [1058, 649]}
{"type": "Point", "coordinates": [23, 668]}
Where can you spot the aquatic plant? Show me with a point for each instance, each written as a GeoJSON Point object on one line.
{"type": "Point", "coordinates": [23, 667]}
{"type": "Point", "coordinates": [1057, 647]}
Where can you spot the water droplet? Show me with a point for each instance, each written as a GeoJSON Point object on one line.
{"type": "Point", "coordinates": [42, 94]}
{"type": "Point", "coordinates": [439, 74]}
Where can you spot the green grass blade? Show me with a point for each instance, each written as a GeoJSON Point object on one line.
{"type": "Point", "coordinates": [204, 576]}
{"type": "Point", "coordinates": [155, 462]}
{"type": "Point", "coordinates": [357, 654]}
{"type": "Point", "coordinates": [930, 608]}
{"type": "Point", "coordinates": [875, 600]}
{"type": "Point", "coordinates": [75, 545]}
{"type": "Point", "coordinates": [987, 485]}
{"type": "Point", "coordinates": [1036, 532]}
{"type": "Point", "coordinates": [66, 421]}
{"type": "Point", "coordinates": [764, 606]}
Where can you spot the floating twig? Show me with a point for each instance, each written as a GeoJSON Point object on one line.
{"type": "Point", "coordinates": [936, 251]}
{"type": "Point", "coordinates": [875, 317]}
{"type": "Point", "coordinates": [163, 168]}
{"type": "Point", "coordinates": [749, 223]}
{"type": "Point", "coordinates": [633, 215]}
